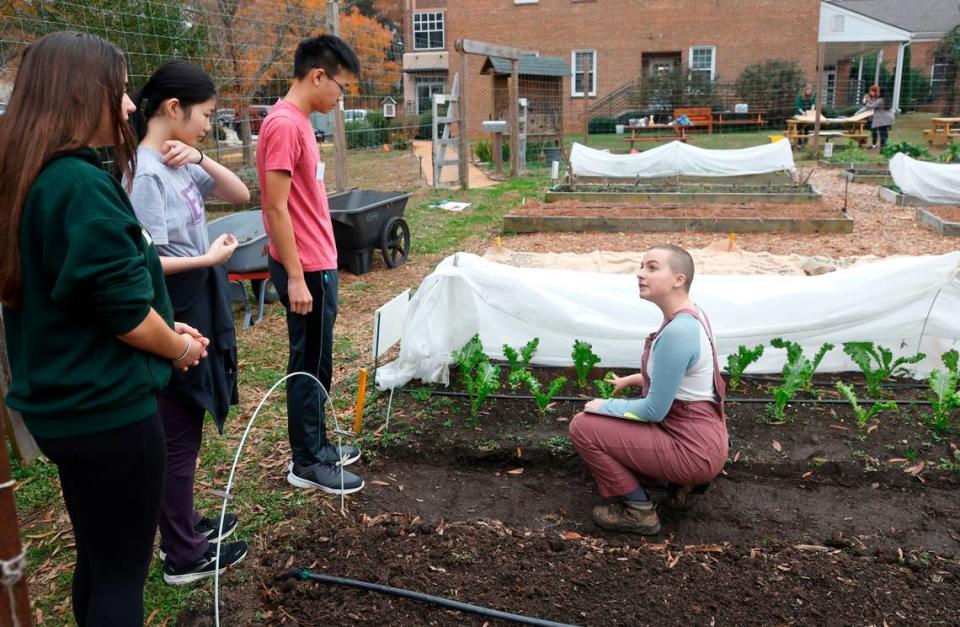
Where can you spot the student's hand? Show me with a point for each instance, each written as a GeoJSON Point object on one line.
{"type": "Point", "coordinates": [619, 383]}
{"type": "Point", "coordinates": [177, 154]}
{"type": "Point", "coordinates": [301, 301]}
{"type": "Point", "coordinates": [197, 350]}
{"type": "Point", "coordinates": [221, 249]}
{"type": "Point", "coordinates": [593, 405]}
{"type": "Point", "coordinates": [183, 327]}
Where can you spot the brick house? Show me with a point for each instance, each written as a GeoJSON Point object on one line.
{"type": "Point", "coordinates": [606, 44]}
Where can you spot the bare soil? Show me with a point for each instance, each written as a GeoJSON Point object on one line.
{"type": "Point", "coordinates": [812, 522]}
{"type": "Point", "coordinates": [624, 210]}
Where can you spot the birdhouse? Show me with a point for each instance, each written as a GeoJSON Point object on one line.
{"type": "Point", "coordinates": [389, 107]}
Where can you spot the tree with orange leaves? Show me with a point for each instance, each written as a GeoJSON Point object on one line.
{"type": "Point", "coordinates": [374, 45]}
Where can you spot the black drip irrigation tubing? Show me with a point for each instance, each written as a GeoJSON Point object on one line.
{"type": "Point", "coordinates": [729, 399]}
{"type": "Point", "coordinates": [306, 575]}
{"type": "Point", "coordinates": [893, 385]}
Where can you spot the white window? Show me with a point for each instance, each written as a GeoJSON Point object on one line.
{"type": "Point", "coordinates": [704, 59]}
{"type": "Point", "coordinates": [426, 88]}
{"type": "Point", "coordinates": [584, 64]}
{"type": "Point", "coordinates": [428, 31]}
{"type": "Point", "coordinates": [940, 73]}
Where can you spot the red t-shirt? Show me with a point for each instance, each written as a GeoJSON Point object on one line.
{"type": "Point", "coordinates": [287, 143]}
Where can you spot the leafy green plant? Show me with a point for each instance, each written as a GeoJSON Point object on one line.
{"type": "Point", "coordinates": [950, 154]}
{"type": "Point", "coordinates": [479, 376]}
{"type": "Point", "coordinates": [916, 151]}
{"type": "Point", "coordinates": [738, 362]}
{"type": "Point", "coordinates": [877, 363]}
{"type": "Point", "coordinates": [519, 360]}
{"type": "Point", "coordinates": [541, 396]}
{"type": "Point", "coordinates": [864, 414]}
{"type": "Point", "coordinates": [797, 374]}
{"type": "Point", "coordinates": [584, 359]}
{"type": "Point", "coordinates": [604, 387]}
{"type": "Point", "coordinates": [942, 390]}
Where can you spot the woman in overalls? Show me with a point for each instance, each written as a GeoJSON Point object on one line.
{"type": "Point", "coordinates": [676, 432]}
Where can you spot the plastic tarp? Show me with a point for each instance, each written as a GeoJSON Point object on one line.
{"type": "Point", "coordinates": [680, 159]}
{"type": "Point", "coordinates": [903, 303]}
{"type": "Point", "coordinates": [937, 183]}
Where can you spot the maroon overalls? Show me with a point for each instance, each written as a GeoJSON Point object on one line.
{"type": "Point", "coordinates": [689, 447]}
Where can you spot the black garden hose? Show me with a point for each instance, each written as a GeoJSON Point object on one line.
{"type": "Point", "coordinates": [730, 399]}
{"type": "Point", "coordinates": [305, 575]}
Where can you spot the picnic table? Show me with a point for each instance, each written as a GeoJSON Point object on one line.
{"type": "Point", "coordinates": [801, 127]}
{"type": "Point", "coordinates": [677, 132]}
{"type": "Point", "coordinates": [943, 132]}
{"type": "Point", "coordinates": [733, 118]}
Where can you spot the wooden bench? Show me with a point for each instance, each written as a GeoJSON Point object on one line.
{"type": "Point", "coordinates": [699, 116]}
{"type": "Point", "coordinates": [943, 131]}
{"type": "Point", "coordinates": [742, 119]}
{"type": "Point", "coordinates": [677, 132]}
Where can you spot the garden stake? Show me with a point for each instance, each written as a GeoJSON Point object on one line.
{"type": "Point", "coordinates": [361, 397]}
{"type": "Point", "coordinates": [306, 575]}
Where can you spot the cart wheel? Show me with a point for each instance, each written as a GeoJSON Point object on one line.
{"type": "Point", "coordinates": [395, 242]}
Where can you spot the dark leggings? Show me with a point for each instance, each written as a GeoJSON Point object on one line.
{"type": "Point", "coordinates": [882, 132]}
{"type": "Point", "coordinates": [112, 484]}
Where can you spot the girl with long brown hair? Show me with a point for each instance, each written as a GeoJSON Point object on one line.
{"type": "Point", "coordinates": [89, 326]}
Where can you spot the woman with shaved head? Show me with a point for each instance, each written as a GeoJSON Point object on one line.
{"type": "Point", "coordinates": [675, 433]}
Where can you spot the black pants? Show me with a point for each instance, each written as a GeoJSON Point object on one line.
{"type": "Point", "coordinates": [311, 350]}
{"type": "Point", "coordinates": [882, 132]}
{"type": "Point", "coordinates": [112, 484]}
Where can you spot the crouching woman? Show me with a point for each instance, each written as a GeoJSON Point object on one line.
{"type": "Point", "coordinates": [675, 433]}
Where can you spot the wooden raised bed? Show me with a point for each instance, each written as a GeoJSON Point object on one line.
{"type": "Point", "coordinates": [683, 194]}
{"type": "Point", "coordinates": [943, 220]}
{"type": "Point", "coordinates": [896, 197]}
{"type": "Point", "coordinates": [757, 218]}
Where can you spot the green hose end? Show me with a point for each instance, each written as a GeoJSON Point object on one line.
{"type": "Point", "coordinates": [301, 574]}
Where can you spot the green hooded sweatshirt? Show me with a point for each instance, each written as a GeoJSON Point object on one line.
{"type": "Point", "coordinates": [89, 272]}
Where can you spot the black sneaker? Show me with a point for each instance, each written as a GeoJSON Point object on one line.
{"type": "Point", "coordinates": [231, 554]}
{"type": "Point", "coordinates": [208, 527]}
{"type": "Point", "coordinates": [345, 453]}
{"type": "Point", "coordinates": [330, 478]}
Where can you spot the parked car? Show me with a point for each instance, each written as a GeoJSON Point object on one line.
{"type": "Point", "coordinates": [355, 115]}
{"type": "Point", "coordinates": [227, 118]}
{"type": "Point", "coordinates": [257, 113]}
{"type": "Point", "coordinates": [322, 125]}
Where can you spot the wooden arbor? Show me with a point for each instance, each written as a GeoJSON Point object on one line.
{"type": "Point", "coordinates": [467, 47]}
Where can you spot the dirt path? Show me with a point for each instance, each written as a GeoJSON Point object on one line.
{"type": "Point", "coordinates": [449, 176]}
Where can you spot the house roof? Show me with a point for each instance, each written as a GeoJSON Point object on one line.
{"type": "Point", "coordinates": [528, 65]}
{"type": "Point", "coordinates": [923, 18]}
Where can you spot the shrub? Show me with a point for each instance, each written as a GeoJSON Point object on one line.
{"type": "Point", "coordinates": [425, 125]}
{"type": "Point", "coordinates": [600, 125]}
{"type": "Point", "coordinates": [772, 86]}
{"type": "Point", "coordinates": [916, 151]}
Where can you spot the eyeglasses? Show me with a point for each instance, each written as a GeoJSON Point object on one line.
{"type": "Point", "coordinates": [343, 90]}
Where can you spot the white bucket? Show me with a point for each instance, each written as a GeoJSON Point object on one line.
{"type": "Point", "coordinates": [619, 128]}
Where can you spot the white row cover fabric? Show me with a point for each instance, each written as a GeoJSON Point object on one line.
{"type": "Point", "coordinates": [903, 303]}
{"type": "Point", "coordinates": [937, 183]}
{"type": "Point", "coordinates": [680, 159]}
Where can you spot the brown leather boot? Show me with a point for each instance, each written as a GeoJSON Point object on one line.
{"type": "Point", "coordinates": [682, 497]}
{"type": "Point", "coordinates": [629, 516]}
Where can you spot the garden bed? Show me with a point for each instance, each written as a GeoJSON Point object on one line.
{"type": "Point", "coordinates": [809, 517]}
{"type": "Point", "coordinates": [943, 220]}
{"type": "Point", "coordinates": [892, 194]}
{"type": "Point", "coordinates": [588, 216]}
{"type": "Point", "coordinates": [879, 174]}
{"type": "Point", "coordinates": [764, 179]}
{"type": "Point", "coordinates": [684, 193]}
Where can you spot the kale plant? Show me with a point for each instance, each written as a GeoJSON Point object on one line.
{"type": "Point", "coordinates": [584, 359]}
{"type": "Point", "coordinates": [797, 374]}
{"type": "Point", "coordinates": [541, 396]}
{"type": "Point", "coordinates": [738, 362]}
{"type": "Point", "coordinates": [878, 364]}
{"type": "Point", "coordinates": [519, 360]}
{"type": "Point", "coordinates": [479, 376]}
{"type": "Point", "coordinates": [864, 414]}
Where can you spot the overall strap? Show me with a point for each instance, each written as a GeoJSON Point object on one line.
{"type": "Point", "coordinates": [718, 381]}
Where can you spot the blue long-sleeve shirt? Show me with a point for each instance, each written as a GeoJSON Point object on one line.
{"type": "Point", "coordinates": [675, 352]}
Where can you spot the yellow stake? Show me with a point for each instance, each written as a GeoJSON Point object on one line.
{"type": "Point", "coordinates": [733, 241]}
{"type": "Point", "coordinates": [499, 243]}
{"type": "Point", "coordinates": [361, 396]}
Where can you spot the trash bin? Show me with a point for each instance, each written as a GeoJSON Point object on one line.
{"type": "Point", "coordinates": [620, 128]}
{"type": "Point", "coordinates": [551, 154]}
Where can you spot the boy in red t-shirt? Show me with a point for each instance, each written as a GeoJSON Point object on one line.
{"type": "Point", "coordinates": [303, 254]}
